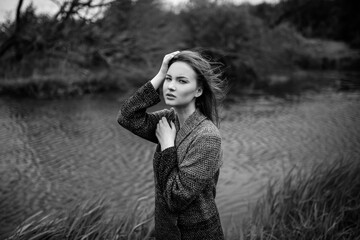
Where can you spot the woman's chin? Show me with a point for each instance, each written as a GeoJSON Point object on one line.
{"type": "Point", "coordinates": [169, 103]}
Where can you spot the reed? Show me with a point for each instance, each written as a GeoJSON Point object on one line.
{"type": "Point", "coordinates": [321, 204]}
{"type": "Point", "coordinates": [90, 221]}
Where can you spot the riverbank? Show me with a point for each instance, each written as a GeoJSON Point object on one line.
{"type": "Point", "coordinates": [111, 53]}
{"type": "Point", "coordinates": [322, 203]}
{"type": "Point", "coordinates": [60, 86]}
{"type": "Point", "coordinates": [286, 85]}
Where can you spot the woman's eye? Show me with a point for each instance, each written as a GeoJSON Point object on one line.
{"type": "Point", "coordinates": [182, 81]}
{"type": "Point", "coordinates": [167, 79]}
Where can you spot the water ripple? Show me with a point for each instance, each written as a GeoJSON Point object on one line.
{"type": "Point", "coordinates": [55, 153]}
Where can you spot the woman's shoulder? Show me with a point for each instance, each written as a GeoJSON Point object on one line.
{"type": "Point", "coordinates": [208, 128]}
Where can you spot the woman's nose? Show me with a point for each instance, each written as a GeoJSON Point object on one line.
{"type": "Point", "coordinates": [171, 85]}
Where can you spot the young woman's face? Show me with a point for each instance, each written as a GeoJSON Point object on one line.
{"type": "Point", "coordinates": [180, 86]}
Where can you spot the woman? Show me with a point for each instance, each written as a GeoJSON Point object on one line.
{"type": "Point", "coordinates": [188, 155]}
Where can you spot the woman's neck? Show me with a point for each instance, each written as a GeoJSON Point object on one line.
{"type": "Point", "coordinates": [184, 112]}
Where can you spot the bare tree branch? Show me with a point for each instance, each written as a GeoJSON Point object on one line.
{"type": "Point", "coordinates": [12, 40]}
{"type": "Point", "coordinates": [18, 13]}
{"type": "Point", "coordinates": [70, 8]}
{"type": "Point", "coordinates": [56, 2]}
{"type": "Point", "coordinates": [84, 10]}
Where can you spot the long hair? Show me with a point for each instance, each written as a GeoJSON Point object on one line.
{"type": "Point", "coordinates": [209, 77]}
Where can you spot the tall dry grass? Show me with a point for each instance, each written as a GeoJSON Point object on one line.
{"type": "Point", "coordinates": [321, 204]}
{"type": "Point", "coordinates": [90, 221]}
{"type": "Point", "coordinates": [306, 205]}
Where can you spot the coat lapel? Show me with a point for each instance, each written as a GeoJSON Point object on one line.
{"type": "Point", "coordinates": [189, 125]}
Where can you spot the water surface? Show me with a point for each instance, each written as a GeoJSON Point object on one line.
{"type": "Point", "coordinates": [57, 152]}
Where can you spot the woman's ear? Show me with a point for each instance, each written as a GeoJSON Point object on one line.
{"type": "Point", "coordinates": [199, 91]}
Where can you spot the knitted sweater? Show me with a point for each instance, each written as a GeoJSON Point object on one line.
{"type": "Point", "coordinates": [185, 175]}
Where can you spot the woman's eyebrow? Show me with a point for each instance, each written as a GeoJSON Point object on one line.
{"type": "Point", "coordinates": [180, 77]}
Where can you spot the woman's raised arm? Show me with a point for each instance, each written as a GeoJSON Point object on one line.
{"type": "Point", "coordinates": [133, 115]}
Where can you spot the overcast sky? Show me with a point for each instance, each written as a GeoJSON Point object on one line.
{"type": "Point", "coordinates": [8, 7]}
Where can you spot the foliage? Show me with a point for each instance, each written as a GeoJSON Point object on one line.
{"type": "Point", "coordinates": [138, 45]}
{"type": "Point", "coordinates": [129, 34]}
{"type": "Point", "coordinates": [124, 46]}
{"type": "Point", "coordinates": [336, 19]}
{"type": "Point", "coordinates": [251, 49]}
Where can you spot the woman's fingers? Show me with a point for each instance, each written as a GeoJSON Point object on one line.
{"type": "Point", "coordinates": [172, 125]}
{"type": "Point", "coordinates": [165, 133]}
{"type": "Point", "coordinates": [165, 63]}
{"type": "Point", "coordinates": [169, 56]}
{"type": "Point", "coordinates": [160, 126]}
{"type": "Point", "coordinates": [163, 124]}
{"type": "Point", "coordinates": [173, 54]}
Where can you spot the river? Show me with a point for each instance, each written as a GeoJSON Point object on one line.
{"type": "Point", "coordinates": [54, 153]}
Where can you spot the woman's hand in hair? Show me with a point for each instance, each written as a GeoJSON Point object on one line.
{"type": "Point", "coordinates": [165, 133]}
{"type": "Point", "coordinates": [160, 77]}
{"type": "Point", "coordinates": [165, 64]}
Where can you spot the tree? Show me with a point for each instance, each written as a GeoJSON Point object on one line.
{"type": "Point", "coordinates": [330, 19]}
{"type": "Point", "coordinates": [32, 33]}
{"type": "Point", "coordinates": [13, 39]}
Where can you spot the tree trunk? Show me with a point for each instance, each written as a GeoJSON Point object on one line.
{"type": "Point", "coordinates": [12, 40]}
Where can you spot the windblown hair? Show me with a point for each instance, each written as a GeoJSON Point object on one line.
{"type": "Point", "coordinates": [209, 77]}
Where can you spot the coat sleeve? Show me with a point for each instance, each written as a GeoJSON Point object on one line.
{"type": "Point", "coordinates": [133, 115]}
{"type": "Point", "coordinates": [180, 185]}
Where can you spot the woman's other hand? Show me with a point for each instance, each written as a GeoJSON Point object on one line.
{"type": "Point", "coordinates": [165, 133]}
{"type": "Point", "coordinates": [160, 76]}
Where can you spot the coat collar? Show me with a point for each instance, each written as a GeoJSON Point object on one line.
{"type": "Point", "coordinates": [189, 125]}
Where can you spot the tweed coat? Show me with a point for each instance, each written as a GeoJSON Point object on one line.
{"type": "Point", "coordinates": [185, 175]}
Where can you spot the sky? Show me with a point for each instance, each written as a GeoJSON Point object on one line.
{"type": "Point", "coordinates": [8, 7]}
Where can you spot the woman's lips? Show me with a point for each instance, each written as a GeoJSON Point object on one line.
{"type": "Point", "coordinates": [171, 96]}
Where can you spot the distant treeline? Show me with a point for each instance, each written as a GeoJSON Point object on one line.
{"type": "Point", "coordinates": [124, 44]}
{"type": "Point", "coordinates": [329, 19]}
